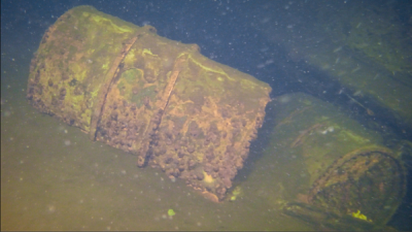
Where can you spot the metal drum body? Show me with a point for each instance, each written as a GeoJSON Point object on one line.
{"type": "Point", "coordinates": [156, 98]}
{"type": "Point", "coordinates": [349, 176]}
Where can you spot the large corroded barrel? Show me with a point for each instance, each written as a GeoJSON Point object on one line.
{"type": "Point", "coordinates": [342, 174]}
{"type": "Point", "coordinates": [156, 98]}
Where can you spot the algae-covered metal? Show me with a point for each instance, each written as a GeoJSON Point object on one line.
{"type": "Point", "coordinates": [156, 98]}
{"type": "Point", "coordinates": [347, 171]}
{"type": "Point", "coordinates": [363, 46]}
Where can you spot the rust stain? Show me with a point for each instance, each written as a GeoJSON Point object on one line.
{"type": "Point", "coordinates": [301, 138]}
{"type": "Point", "coordinates": [101, 98]}
{"type": "Point", "coordinates": [210, 196]}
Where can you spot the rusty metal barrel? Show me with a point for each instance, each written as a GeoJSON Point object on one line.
{"type": "Point", "coordinates": [156, 98]}
{"type": "Point", "coordinates": [344, 175]}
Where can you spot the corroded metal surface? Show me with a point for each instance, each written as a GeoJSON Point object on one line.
{"type": "Point", "coordinates": [368, 179]}
{"type": "Point", "coordinates": [349, 171]}
{"type": "Point", "coordinates": [158, 99]}
{"type": "Point", "coordinates": [101, 97]}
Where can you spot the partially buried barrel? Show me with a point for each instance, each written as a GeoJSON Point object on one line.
{"type": "Point", "coordinates": [344, 176]}
{"type": "Point", "coordinates": [156, 98]}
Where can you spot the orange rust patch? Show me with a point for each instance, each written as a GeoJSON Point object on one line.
{"type": "Point", "coordinates": [210, 196]}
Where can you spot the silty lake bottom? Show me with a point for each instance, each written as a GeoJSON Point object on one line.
{"type": "Point", "coordinates": [53, 177]}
